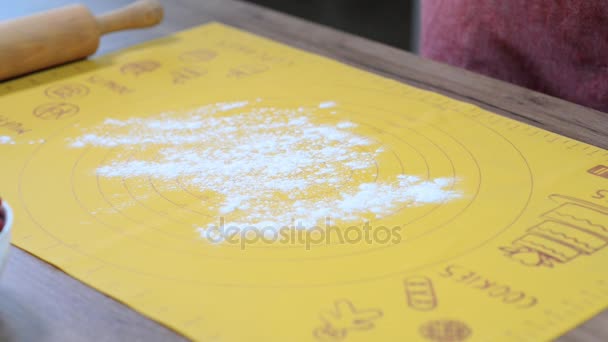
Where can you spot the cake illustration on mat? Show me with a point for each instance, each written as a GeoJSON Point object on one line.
{"type": "Point", "coordinates": [576, 227]}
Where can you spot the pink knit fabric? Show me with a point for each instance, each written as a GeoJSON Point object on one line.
{"type": "Point", "coordinates": [559, 47]}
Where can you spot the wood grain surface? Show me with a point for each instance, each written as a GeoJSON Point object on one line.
{"type": "Point", "coordinates": [66, 34]}
{"type": "Point", "coordinates": [40, 303]}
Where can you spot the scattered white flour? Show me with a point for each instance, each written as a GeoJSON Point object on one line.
{"type": "Point", "coordinates": [6, 140]}
{"type": "Point", "coordinates": [345, 124]}
{"type": "Point", "coordinates": [269, 167]}
{"type": "Point", "coordinates": [327, 104]}
{"type": "Point", "coordinates": [232, 105]}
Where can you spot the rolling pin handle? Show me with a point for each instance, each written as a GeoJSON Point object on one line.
{"type": "Point", "coordinates": [140, 14]}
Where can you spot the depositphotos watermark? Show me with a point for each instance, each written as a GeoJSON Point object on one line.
{"type": "Point", "coordinates": [300, 235]}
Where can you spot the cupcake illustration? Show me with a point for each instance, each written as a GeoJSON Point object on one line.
{"type": "Point", "coordinates": [576, 227]}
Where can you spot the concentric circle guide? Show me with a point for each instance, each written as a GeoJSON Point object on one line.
{"type": "Point", "coordinates": [517, 229]}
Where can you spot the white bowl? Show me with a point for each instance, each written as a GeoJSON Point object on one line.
{"type": "Point", "coordinates": [5, 235]}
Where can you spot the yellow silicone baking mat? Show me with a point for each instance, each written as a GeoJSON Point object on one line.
{"type": "Point", "coordinates": [235, 189]}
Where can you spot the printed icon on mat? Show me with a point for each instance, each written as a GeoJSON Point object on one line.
{"type": "Point", "coordinates": [139, 67]}
{"type": "Point", "coordinates": [200, 55]}
{"type": "Point", "coordinates": [66, 91]}
{"type": "Point", "coordinates": [599, 170]}
{"type": "Point", "coordinates": [420, 293]}
{"type": "Point", "coordinates": [445, 331]}
{"type": "Point", "coordinates": [343, 319]}
{"type": "Point", "coordinates": [55, 111]}
{"type": "Point", "coordinates": [576, 227]}
{"type": "Point", "coordinates": [186, 74]}
{"type": "Point", "coordinates": [246, 70]}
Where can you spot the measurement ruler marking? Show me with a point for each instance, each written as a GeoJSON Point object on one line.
{"type": "Point", "coordinates": [531, 333]}
{"type": "Point", "coordinates": [589, 302]}
{"type": "Point", "coordinates": [575, 306]}
{"type": "Point", "coordinates": [54, 245]}
{"type": "Point", "coordinates": [591, 294]}
{"type": "Point", "coordinates": [517, 336]}
{"type": "Point", "coordinates": [554, 315]}
{"type": "Point", "coordinates": [112, 285]}
{"type": "Point", "coordinates": [68, 260]}
{"type": "Point", "coordinates": [531, 131]}
{"type": "Point", "coordinates": [604, 291]}
{"type": "Point", "coordinates": [138, 294]}
{"type": "Point", "coordinates": [95, 269]}
{"type": "Point", "coordinates": [193, 321]}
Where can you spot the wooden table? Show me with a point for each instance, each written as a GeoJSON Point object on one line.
{"type": "Point", "coordinates": [40, 303]}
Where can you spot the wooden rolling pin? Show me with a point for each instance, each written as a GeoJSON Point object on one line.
{"type": "Point", "coordinates": [65, 34]}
